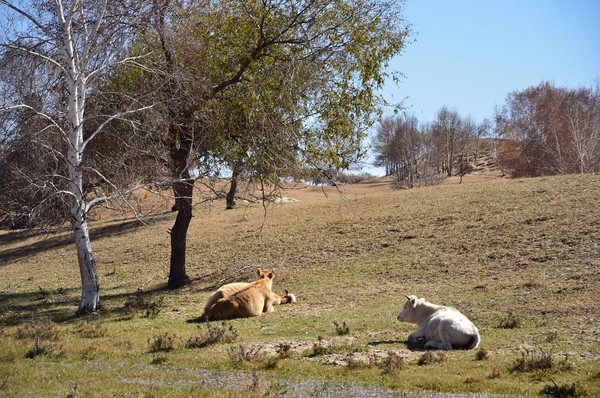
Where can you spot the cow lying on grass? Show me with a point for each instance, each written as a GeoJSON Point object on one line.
{"type": "Point", "coordinates": [243, 300]}
{"type": "Point", "coordinates": [441, 327]}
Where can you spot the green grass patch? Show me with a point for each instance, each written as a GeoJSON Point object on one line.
{"type": "Point", "coordinates": [520, 258]}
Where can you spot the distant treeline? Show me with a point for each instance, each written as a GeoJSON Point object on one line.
{"type": "Point", "coordinates": [542, 130]}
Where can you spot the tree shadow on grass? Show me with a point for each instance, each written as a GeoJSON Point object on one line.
{"type": "Point", "coordinates": [60, 305]}
{"type": "Point", "coordinates": [64, 239]}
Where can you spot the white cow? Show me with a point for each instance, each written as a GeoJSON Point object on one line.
{"type": "Point", "coordinates": [442, 327]}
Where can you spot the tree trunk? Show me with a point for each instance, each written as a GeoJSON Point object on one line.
{"type": "Point", "coordinates": [232, 190]}
{"type": "Point", "coordinates": [90, 284]}
{"type": "Point", "coordinates": [177, 275]}
{"type": "Point", "coordinates": [183, 188]}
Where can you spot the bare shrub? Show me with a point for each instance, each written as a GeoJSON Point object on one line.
{"type": "Point", "coordinates": [342, 329]}
{"type": "Point", "coordinates": [91, 330]}
{"type": "Point", "coordinates": [213, 335]}
{"type": "Point", "coordinates": [241, 353]}
{"type": "Point", "coordinates": [45, 347]}
{"type": "Point", "coordinates": [283, 350]}
{"type": "Point", "coordinates": [430, 357]}
{"type": "Point", "coordinates": [535, 358]}
{"type": "Point", "coordinates": [138, 304]}
{"type": "Point", "coordinates": [511, 321]}
{"type": "Point", "coordinates": [393, 364]}
{"type": "Point", "coordinates": [162, 343]}
{"type": "Point", "coordinates": [44, 336]}
{"type": "Point", "coordinates": [42, 330]}
{"type": "Point", "coordinates": [482, 354]}
{"type": "Point", "coordinates": [563, 391]}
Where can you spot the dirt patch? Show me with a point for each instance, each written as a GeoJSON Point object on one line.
{"type": "Point", "coordinates": [336, 352]}
{"type": "Point", "coordinates": [371, 357]}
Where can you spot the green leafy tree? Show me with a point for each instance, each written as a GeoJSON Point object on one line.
{"type": "Point", "coordinates": [263, 87]}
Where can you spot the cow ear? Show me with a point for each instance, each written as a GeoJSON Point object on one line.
{"type": "Point", "coordinates": [270, 275]}
{"type": "Point", "coordinates": [413, 300]}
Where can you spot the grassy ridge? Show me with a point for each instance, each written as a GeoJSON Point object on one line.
{"type": "Point", "coordinates": [520, 257]}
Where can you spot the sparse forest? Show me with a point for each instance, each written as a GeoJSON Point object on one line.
{"type": "Point", "coordinates": [543, 130]}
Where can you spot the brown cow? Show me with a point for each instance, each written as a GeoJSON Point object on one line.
{"type": "Point", "coordinates": [243, 300]}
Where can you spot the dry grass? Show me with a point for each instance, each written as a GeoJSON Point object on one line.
{"type": "Point", "coordinates": [528, 248]}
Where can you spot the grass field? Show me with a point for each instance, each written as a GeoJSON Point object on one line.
{"type": "Point", "coordinates": [521, 258]}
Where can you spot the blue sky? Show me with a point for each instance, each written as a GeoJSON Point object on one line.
{"type": "Point", "coordinates": [470, 54]}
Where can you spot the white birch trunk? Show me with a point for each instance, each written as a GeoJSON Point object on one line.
{"type": "Point", "coordinates": [74, 63]}
{"type": "Point", "coordinates": [90, 284]}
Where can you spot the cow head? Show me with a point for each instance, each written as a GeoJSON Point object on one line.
{"type": "Point", "coordinates": [290, 297]}
{"type": "Point", "coordinates": [408, 310]}
{"type": "Point", "coordinates": [262, 273]}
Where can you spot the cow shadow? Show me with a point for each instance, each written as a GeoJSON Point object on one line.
{"type": "Point", "coordinates": [418, 345]}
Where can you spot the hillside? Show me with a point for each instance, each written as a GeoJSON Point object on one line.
{"type": "Point", "coordinates": [520, 257]}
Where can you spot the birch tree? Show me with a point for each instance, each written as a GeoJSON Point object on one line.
{"type": "Point", "coordinates": [55, 51]}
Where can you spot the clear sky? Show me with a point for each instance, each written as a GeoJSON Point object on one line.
{"type": "Point", "coordinates": [469, 55]}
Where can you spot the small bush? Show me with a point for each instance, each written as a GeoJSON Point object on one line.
{"type": "Point", "coordinates": [48, 348]}
{"type": "Point", "coordinates": [162, 343]}
{"type": "Point", "coordinates": [138, 304]}
{"type": "Point", "coordinates": [510, 322]}
{"type": "Point", "coordinates": [90, 330]}
{"type": "Point", "coordinates": [44, 294]}
{"type": "Point", "coordinates": [271, 363]}
{"type": "Point", "coordinates": [342, 329]}
{"type": "Point", "coordinates": [72, 390]}
{"type": "Point", "coordinates": [158, 360]}
{"type": "Point", "coordinates": [241, 353]}
{"type": "Point", "coordinates": [283, 350]}
{"type": "Point", "coordinates": [430, 357]}
{"type": "Point", "coordinates": [42, 330]}
{"type": "Point", "coordinates": [393, 364]}
{"type": "Point", "coordinates": [482, 354]}
{"type": "Point", "coordinates": [564, 391]}
{"type": "Point", "coordinates": [496, 374]}
{"type": "Point", "coordinates": [44, 337]}
{"type": "Point", "coordinates": [319, 348]}
{"type": "Point", "coordinates": [532, 359]}
{"type": "Point", "coordinates": [213, 335]}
